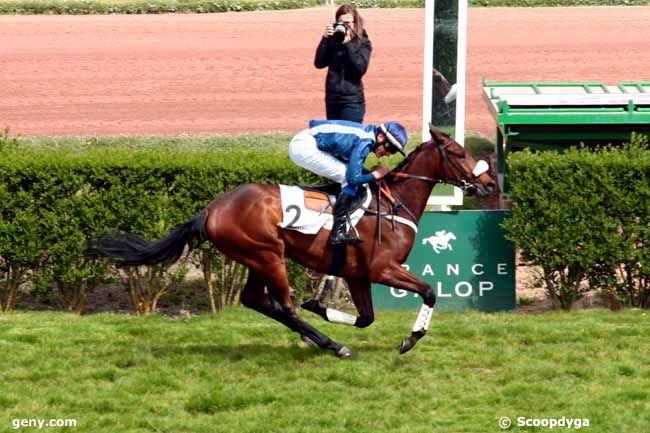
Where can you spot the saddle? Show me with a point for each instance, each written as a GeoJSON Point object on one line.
{"type": "Point", "coordinates": [321, 198]}
{"type": "Point", "coordinates": [309, 208]}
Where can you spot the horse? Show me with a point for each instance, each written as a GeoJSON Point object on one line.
{"type": "Point", "coordinates": [243, 224]}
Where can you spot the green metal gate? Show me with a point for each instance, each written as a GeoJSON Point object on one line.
{"type": "Point", "coordinates": [554, 116]}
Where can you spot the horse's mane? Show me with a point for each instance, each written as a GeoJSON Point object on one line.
{"type": "Point", "coordinates": [408, 158]}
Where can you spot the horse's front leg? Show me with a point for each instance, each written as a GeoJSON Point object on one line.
{"type": "Point", "coordinates": [398, 277]}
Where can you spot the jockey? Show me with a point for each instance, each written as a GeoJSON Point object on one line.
{"type": "Point", "coordinates": [337, 150]}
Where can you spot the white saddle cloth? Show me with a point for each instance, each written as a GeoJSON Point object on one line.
{"type": "Point", "coordinates": [295, 216]}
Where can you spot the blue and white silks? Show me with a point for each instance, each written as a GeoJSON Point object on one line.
{"type": "Point", "coordinates": [335, 149]}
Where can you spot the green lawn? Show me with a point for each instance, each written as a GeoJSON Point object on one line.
{"type": "Point", "coordinates": [240, 372]}
{"type": "Point", "coordinates": [82, 7]}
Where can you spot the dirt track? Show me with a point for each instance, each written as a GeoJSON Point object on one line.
{"type": "Point", "coordinates": [235, 72]}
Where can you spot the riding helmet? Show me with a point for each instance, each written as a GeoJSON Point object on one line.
{"type": "Point", "coordinates": [395, 135]}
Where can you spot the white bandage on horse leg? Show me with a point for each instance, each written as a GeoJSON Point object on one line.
{"type": "Point", "coordinates": [336, 316]}
{"type": "Point", "coordinates": [424, 318]}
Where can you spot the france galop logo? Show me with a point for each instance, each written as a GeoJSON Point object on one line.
{"type": "Point", "coordinates": [440, 241]}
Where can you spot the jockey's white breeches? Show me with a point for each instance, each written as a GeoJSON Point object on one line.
{"type": "Point", "coordinates": [304, 152]}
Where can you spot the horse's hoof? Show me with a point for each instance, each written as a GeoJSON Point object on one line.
{"type": "Point", "coordinates": [308, 341]}
{"type": "Point", "coordinates": [406, 345]}
{"type": "Point", "coordinates": [344, 352]}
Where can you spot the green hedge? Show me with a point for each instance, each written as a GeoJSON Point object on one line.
{"type": "Point", "coordinates": [53, 197]}
{"type": "Point", "coordinates": [584, 217]}
{"type": "Point", "coordinates": [557, 3]}
{"type": "Point", "coordinates": [82, 7]}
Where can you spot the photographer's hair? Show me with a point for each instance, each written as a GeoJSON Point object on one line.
{"type": "Point", "coordinates": [358, 29]}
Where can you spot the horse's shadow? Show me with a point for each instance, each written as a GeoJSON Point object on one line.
{"type": "Point", "coordinates": [237, 352]}
{"type": "Point", "coordinates": [240, 352]}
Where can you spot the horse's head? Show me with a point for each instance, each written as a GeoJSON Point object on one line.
{"type": "Point", "coordinates": [457, 167]}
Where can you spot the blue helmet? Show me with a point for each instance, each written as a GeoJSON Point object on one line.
{"type": "Point", "coordinates": [395, 135]}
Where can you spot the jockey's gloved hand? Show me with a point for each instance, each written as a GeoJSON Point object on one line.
{"type": "Point", "coordinates": [380, 171]}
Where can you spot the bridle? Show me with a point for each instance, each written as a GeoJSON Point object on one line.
{"type": "Point", "coordinates": [464, 184]}
{"type": "Point", "coordinates": [441, 177]}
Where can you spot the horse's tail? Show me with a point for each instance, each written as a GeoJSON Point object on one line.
{"type": "Point", "coordinates": [132, 250]}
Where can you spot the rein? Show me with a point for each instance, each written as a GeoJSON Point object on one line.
{"type": "Point", "coordinates": [402, 175]}
{"type": "Point", "coordinates": [396, 204]}
{"type": "Point", "coordinates": [462, 184]}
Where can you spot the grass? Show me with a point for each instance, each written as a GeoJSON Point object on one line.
{"type": "Point", "coordinates": [478, 145]}
{"type": "Point", "coordinates": [240, 372]}
{"type": "Point", "coordinates": [259, 142]}
{"type": "Point", "coordinates": [84, 7]}
{"type": "Point", "coordinates": [274, 143]}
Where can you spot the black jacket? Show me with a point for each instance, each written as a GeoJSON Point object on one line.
{"type": "Point", "coordinates": [347, 64]}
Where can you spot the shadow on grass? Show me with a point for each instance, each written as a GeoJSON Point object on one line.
{"type": "Point", "coordinates": [237, 352]}
{"type": "Point", "coordinates": [288, 352]}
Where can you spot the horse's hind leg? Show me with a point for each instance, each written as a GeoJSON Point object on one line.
{"type": "Point", "coordinates": [254, 297]}
{"type": "Point", "coordinates": [278, 306]}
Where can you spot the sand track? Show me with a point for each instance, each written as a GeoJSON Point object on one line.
{"type": "Point", "coordinates": [236, 72]}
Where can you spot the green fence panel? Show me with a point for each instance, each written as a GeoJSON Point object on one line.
{"type": "Point", "coordinates": [466, 259]}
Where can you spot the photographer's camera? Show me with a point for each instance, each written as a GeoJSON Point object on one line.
{"type": "Point", "coordinates": [340, 31]}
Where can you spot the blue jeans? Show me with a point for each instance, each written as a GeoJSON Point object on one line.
{"type": "Point", "coordinates": [351, 112]}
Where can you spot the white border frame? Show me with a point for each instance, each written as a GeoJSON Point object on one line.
{"type": "Point", "coordinates": [427, 84]}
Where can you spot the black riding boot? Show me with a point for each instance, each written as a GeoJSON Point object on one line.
{"type": "Point", "coordinates": [339, 234]}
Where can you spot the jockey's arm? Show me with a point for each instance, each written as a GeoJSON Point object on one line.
{"type": "Point", "coordinates": [355, 170]}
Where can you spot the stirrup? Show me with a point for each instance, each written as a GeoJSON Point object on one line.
{"type": "Point", "coordinates": [354, 239]}
{"type": "Point", "coordinates": [345, 239]}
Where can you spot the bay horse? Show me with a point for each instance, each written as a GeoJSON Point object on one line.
{"type": "Point", "coordinates": [243, 225]}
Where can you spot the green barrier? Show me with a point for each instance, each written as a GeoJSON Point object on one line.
{"type": "Point", "coordinates": [466, 259]}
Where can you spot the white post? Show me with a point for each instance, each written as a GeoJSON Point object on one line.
{"type": "Point", "coordinates": [461, 73]}
{"type": "Point", "coordinates": [440, 202]}
{"type": "Point", "coordinates": [427, 79]}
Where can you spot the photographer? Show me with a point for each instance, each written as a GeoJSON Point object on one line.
{"type": "Point", "coordinates": [345, 49]}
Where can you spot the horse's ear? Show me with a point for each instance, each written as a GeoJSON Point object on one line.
{"type": "Point", "coordinates": [435, 132]}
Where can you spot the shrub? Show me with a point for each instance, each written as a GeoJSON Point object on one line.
{"type": "Point", "coordinates": [21, 241]}
{"type": "Point", "coordinates": [626, 275]}
{"type": "Point", "coordinates": [223, 277]}
{"type": "Point", "coordinates": [584, 217]}
{"type": "Point", "coordinates": [55, 195]}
